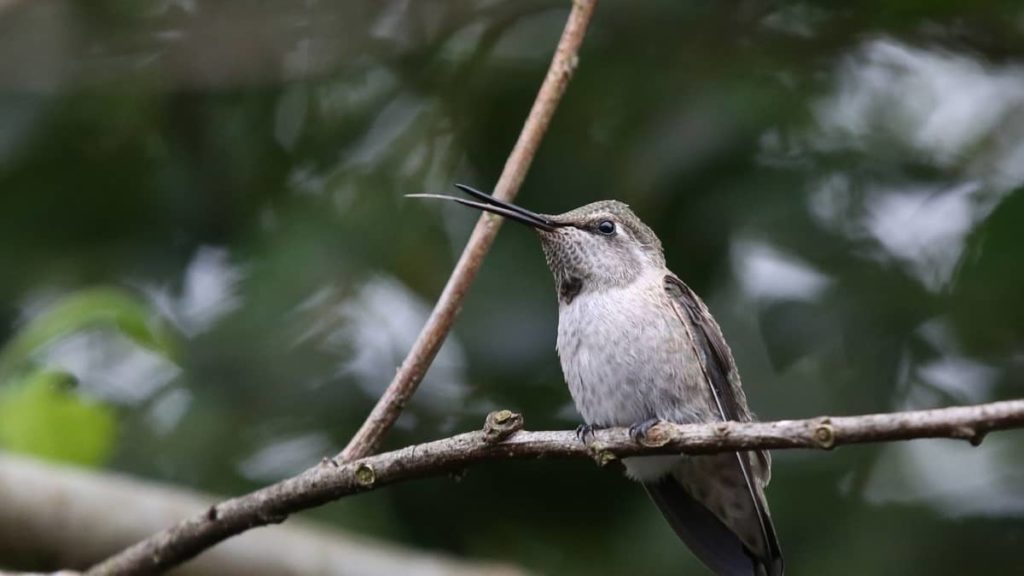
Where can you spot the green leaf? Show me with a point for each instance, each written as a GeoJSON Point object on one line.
{"type": "Point", "coordinates": [85, 309]}
{"type": "Point", "coordinates": [44, 416]}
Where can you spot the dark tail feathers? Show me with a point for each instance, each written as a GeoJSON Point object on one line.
{"type": "Point", "coordinates": [709, 539]}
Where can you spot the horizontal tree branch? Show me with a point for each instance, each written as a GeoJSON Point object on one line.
{"type": "Point", "coordinates": [503, 439]}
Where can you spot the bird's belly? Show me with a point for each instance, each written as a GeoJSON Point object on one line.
{"type": "Point", "coordinates": [626, 363]}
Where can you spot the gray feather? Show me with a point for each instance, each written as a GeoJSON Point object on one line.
{"type": "Point", "coordinates": [723, 380]}
{"type": "Point", "coordinates": [711, 541]}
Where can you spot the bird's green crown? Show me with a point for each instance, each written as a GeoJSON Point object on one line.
{"type": "Point", "coordinates": [618, 211]}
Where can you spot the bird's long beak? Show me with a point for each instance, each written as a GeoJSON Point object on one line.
{"type": "Point", "coordinates": [491, 204]}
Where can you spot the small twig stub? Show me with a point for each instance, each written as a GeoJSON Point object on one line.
{"type": "Point", "coordinates": [501, 424]}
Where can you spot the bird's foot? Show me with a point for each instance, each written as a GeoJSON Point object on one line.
{"type": "Point", "coordinates": [639, 430]}
{"type": "Point", "coordinates": [585, 433]}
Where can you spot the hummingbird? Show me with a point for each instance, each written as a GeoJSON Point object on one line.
{"type": "Point", "coordinates": [638, 346]}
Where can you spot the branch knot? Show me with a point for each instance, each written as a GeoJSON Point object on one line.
{"type": "Point", "coordinates": [365, 476]}
{"type": "Point", "coordinates": [825, 435]}
{"type": "Point", "coordinates": [502, 424]}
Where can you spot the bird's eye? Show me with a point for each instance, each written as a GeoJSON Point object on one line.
{"type": "Point", "coordinates": [606, 227]}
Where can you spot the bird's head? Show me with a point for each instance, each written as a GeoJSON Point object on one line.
{"type": "Point", "coordinates": [594, 247]}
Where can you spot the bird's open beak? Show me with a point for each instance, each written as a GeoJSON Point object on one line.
{"type": "Point", "coordinates": [491, 204]}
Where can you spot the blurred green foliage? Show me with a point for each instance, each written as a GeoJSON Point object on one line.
{"type": "Point", "coordinates": [83, 310]}
{"type": "Point", "coordinates": [842, 183]}
{"type": "Point", "coordinates": [42, 416]}
{"type": "Point", "coordinates": [41, 413]}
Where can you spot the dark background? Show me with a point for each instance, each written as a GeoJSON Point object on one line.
{"type": "Point", "coordinates": [208, 271]}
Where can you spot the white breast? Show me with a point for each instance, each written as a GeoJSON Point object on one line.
{"type": "Point", "coordinates": [627, 358]}
{"type": "Point", "coordinates": [625, 354]}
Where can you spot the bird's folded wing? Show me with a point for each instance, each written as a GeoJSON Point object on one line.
{"type": "Point", "coordinates": [722, 378]}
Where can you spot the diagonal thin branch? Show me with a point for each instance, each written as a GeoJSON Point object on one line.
{"type": "Point", "coordinates": [503, 439]}
{"type": "Point", "coordinates": [415, 365]}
